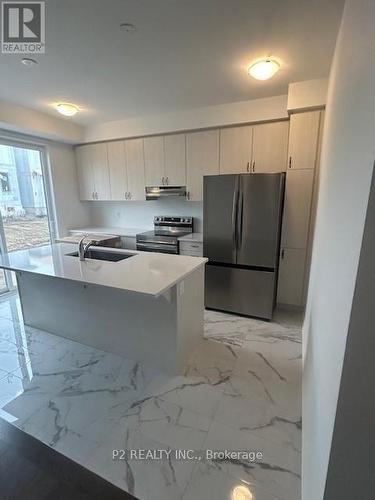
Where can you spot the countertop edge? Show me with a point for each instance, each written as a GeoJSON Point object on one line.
{"type": "Point", "coordinates": [82, 280]}
{"type": "Point", "coordinates": [86, 282]}
{"type": "Point", "coordinates": [129, 233]}
{"type": "Point", "coordinates": [132, 232]}
{"type": "Point", "coordinates": [181, 278]}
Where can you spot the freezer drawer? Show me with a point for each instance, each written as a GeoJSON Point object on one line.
{"type": "Point", "coordinates": [239, 290]}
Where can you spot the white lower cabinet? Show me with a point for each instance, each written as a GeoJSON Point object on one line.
{"type": "Point", "coordinates": [193, 248]}
{"type": "Point", "coordinates": [291, 276]}
{"type": "Point", "coordinates": [129, 243]}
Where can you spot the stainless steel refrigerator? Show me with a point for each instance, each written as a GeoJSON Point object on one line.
{"type": "Point", "coordinates": [241, 237]}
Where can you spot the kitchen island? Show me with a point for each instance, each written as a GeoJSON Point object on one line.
{"type": "Point", "coordinates": [147, 307]}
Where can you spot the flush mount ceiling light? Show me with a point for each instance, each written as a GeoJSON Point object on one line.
{"type": "Point", "coordinates": [27, 61]}
{"type": "Point", "coordinates": [128, 27]}
{"type": "Point", "coordinates": [67, 109]}
{"type": "Point", "coordinates": [241, 492]}
{"type": "Point", "coordinates": [263, 70]}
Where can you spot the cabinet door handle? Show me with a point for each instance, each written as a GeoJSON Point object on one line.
{"type": "Point", "coordinates": [253, 166]}
{"type": "Point", "coordinates": [290, 162]}
{"type": "Point", "coordinates": [282, 253]}
{"type": "Point", "coordinates": [248, 167]}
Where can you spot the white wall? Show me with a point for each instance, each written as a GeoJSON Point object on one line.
{"type": "Point", "coordinates": [309, 94]}
{"type": "Point", "coordinates": [346, 166]}
{"type": "Point", "coordinates": [141, 213]}
{"type": "Point", "coordinates": [69, 211]}
{"type": "Point", "coordinates": [270, 108]}
{"type": "Point", "coordinates": [23, 120]}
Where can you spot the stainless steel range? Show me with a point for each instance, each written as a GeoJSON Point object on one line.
{"type": "Point", "coordinates": [164, 237]}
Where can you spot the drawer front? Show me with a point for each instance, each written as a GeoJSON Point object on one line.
{"type": "Point", "coordinates": [191, 253]}
{"type": "Point", "coordinates": [191, 248]}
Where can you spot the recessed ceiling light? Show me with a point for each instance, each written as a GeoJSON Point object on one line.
{"type": "Point", "coordinates": [128, 27]}
{"type": "Point", "coordinates": [27, 61]}
{"type": "Point", "coordinates": [263, 70]}
{"type": "Point", "coordinates": [67, 109]}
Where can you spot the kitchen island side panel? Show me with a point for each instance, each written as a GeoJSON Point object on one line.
{"type": "Point", "coordinates": [133, 325]}
{"type": "Point", "coordinates": [190, 314]}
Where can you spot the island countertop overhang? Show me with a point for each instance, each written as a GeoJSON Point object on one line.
{"type": "Point", "coordinates": [144, 272]}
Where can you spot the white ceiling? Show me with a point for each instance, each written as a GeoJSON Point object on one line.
{"type": "Point", "coordinates": [185, 53]}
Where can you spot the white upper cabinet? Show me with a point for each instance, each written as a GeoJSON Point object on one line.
{"type": "Point", "coordinates": [202, 157]}
{"type": "Point", "coordinates": [303, 140]}
{"type": "Point", "coordinates": [85, 173]}
{"type": "Point", "coordinates": [235, 149]}
{"type": "Point", "coordinates": [175, 159]}
{"type": "Point", "coordinates": [154, 161]}
{"type": "Point", "coordinates": [297, 208]}
{"type": "Point", "coordinates": [270, 147]}
{"type": "Point", "coordinates": [117, 170]}
{"type": "Point", "coordinates": [93, 172]}
{"type": "Point", "coordinates": [101, 172]}
{"type": "Point", "coordinates": [135, 163]}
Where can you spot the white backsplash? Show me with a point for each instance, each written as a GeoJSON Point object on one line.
{"type": "Point", "coordinates": [141, 213]}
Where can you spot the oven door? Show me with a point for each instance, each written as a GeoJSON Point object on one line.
{"type": "Point", "coordinates": [150, 246]}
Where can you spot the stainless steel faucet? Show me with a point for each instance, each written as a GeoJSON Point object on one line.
{"type": "Point", "coordinates": [82, 247]}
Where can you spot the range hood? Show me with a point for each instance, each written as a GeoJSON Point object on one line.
{"type": "Point", "coordinates": [159, 192]}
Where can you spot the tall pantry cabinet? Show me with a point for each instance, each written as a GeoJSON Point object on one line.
{"type": "Point", "coordinates": [299, 207]}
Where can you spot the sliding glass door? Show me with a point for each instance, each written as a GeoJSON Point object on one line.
{"type": "Point", "coordinates": [25, 215]}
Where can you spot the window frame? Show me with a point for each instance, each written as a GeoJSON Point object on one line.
{"type": "Point", "coordinates": [48, 193]}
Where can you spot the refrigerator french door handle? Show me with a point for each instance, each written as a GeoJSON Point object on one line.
{"type": "Point", "coordinates": [235, 215]}
{"type": "Point", "coordinates": [240, 215]}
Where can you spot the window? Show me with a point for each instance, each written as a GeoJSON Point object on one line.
{"type": "Point", "coordinates": [4, 182]}
{"type": "Point", "coordinates": [25, 214]}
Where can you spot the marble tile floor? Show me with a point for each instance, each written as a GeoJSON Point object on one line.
{"type": "Point", "coordinates": [241, 391]}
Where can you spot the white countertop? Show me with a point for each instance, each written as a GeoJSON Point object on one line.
{"type": "Point", "coordinates": [197, 237]}
{"type": "Point", "coordinates": [98, 238]}
{"type": "Point", "coordinates": [130, 232]}
{"type": "Point", "coordinates": [145, 272]}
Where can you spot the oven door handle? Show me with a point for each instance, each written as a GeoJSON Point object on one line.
{"type": "Point", "coordinates": [154, 242]}
{"type": "Point", "coordinates": [157, 246]}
